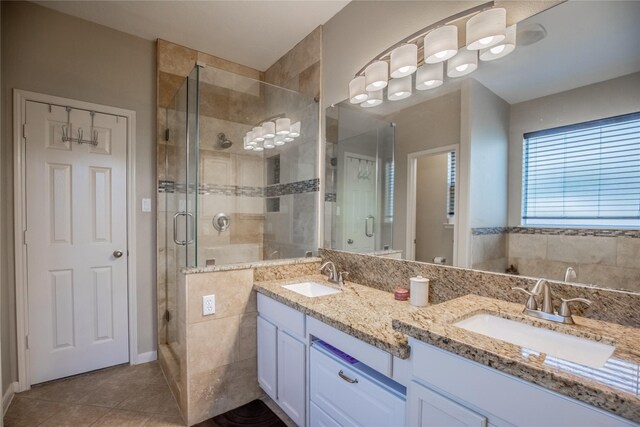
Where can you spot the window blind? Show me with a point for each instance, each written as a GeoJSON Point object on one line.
{"type": "Point", "coordinates": [389, 181]}
{"type": "Point", "coordinates": [583, 174]}
{"type": "Point", "coordinates": [451, 183]}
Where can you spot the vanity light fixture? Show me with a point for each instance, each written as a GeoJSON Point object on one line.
{"type": "Point", "coordinates": [404, 61]}
{"type": "Point", "coordinates": [258, 134]}
{"type": "Point", "coordinates": [502, 49]}
{"type": "Point", "coordinates": [430, 76]}
{"type": "Point", "coordinates": [268, 130]}
{"type": "Point", "coordinates": [399, 88]}
{"type": "Point", "coordinates": [283, 126]}
{"type": "Point", "coordinates": [276, 130]}
{"type": "Point", "coordinates": [441, 44]}
{"type": "Point", "coordinates": [295, 130]}
{"type": "Point", "coordinates": [376, 76]}
{"type": "Point", "coordinates": [357, 90]}
{"type": "Point", "coordinates": [465, 62]}
{"type": "Point", "coordinates": [487, 28]}
{"type": "Point", "coordinates": [486, 36]}
{"type": "Point", "coordinates": [375, 98]}
{"type": "Point", "coordinates": [245, 143]}
{"type": "Point", "coordinates": [268, 143]}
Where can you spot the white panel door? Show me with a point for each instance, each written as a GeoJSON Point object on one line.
{"type": "Point", "coordinates": [359, 203]}
{"type": "Point", "coordinates": [267, 357]}
{"type": "Point", "coordinates": [76, 223]}
{"type": "Point", "coordinates": [291, 377]}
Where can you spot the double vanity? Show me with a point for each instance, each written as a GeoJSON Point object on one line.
{"type": "Point", "coordinates": [351, 355]}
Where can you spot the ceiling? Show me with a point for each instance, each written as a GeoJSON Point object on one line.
{"type": "Point", "coordinates": [251, 33]}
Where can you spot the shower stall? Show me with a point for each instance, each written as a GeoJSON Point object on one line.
{"type": "Point", "coordinates": [228, 190]}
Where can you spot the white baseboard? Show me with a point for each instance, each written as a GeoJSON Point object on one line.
{"type": "Point", "coordinates": [8, 396]}
{"type": "Point", "coordinates": [149, 356]}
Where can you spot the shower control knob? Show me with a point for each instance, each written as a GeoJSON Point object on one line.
{"type": "Point", "coordinates": [350, 241]}
{"type": "Point", "coordinates": [117, 254]}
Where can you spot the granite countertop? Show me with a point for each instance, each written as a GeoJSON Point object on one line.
{"type": "Point", "coordinates": [375, 317]}
{"type": "Point", "coordinates": [613, 387]}
{"type": "Point", "coordinates": [360, 311]}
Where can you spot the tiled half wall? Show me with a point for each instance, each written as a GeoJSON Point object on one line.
{"type": "Point", "coordinates": [609, 258]}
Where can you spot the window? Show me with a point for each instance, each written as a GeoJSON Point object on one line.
{"type": "Point", "coordinates": [587, 174]}
{"type": "Point", "coordinates": [451, 184]}
{"type": "Point", "coordinates": [389, 177]}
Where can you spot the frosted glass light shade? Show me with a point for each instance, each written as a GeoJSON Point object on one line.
{"type": "Point", "coordinates": [268, 130]}
{"type": "Point", "coordinates": [283, 126]}
{"type": "Point", "coordinates": [404, 60]}
{"type": "Point", "coordinates": [502, 49]}
{"type": "Point", "coordinates": [295, 129]}
{"type": "Point", "coordinates": [441, 44]}
{"type": "Point", "coordinates": [376, 76]}
{"type": "Point", "coordinates": [258, 134]}
{"type": "Point", "coordinates": [279, 140]}
{"type": "Point", "coordinates": [465, 62]}
{"type": "Point", "coordinates": [250, 139]}
{"type": "Point", "coordinates": [430, 76]}
{"type": "Point", "coordinates": [375, 98]}
{"type": "Point", "coordinates": [288, 138]}
{"type": "Point", "coordinates": [269, 143]}
{"type": "Point", "coordinates": [258, 148]}
{"type": "Point", "coordinates": [357, 90]}
{"type": "Point", "coordinates": [399, 88]}
{"type": "Point", "coordinates": [486, 29]}
{"type": "Point", "coordinates": [245, 144]}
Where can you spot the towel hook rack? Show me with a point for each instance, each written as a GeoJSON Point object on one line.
{"type": "Point", "coordinates": [66, 131]}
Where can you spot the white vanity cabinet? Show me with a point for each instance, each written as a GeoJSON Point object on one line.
{"type": "Point", "coordinates": [282, 356]}
{"type": "Point", "coordinates": [448, 389]}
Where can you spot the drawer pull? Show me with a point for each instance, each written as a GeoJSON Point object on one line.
{"type": "Point", "coordinates": [346, 378]}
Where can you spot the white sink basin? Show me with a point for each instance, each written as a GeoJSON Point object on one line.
{"type": "Point", "coordinates": [311, 289]}
{"type": "Point", "coordinates": [578, 350]}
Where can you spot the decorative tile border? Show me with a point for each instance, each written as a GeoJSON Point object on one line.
{"type": "Point", "coordinates": [308, 186]}
{"type": "Point", "coordinates": [595, 232]}
{"type": "Point", "coordinates": [330, 197]}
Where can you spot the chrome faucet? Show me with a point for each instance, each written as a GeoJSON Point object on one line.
{"type": "Point", "coordinates": [547, 311]}
{"type": "Point", "coordinates": [333, 276]}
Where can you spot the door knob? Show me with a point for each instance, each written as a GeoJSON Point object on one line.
{"type": "Point", "coordinates": [117, 254]}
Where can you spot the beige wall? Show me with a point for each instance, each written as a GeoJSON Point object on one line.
{"type": "Point", "coordinates": [599, 100]}
{"type": "Point", "coordinates": [433, 239]}
{"type": "Point", "coordinates": [52, 53]}
{"type": "Point", "coordinates": [432, 124]}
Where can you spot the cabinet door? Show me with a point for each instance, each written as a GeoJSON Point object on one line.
{"type": "Point", "coordinates": [430, 409]}
{"type": "Point", "coordinates": [267, 357]}
{"type": "Point", "coordinates": [291, 377]}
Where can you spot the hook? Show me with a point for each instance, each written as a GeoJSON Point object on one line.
{"type": "Point", "coordinates": [80, 135]}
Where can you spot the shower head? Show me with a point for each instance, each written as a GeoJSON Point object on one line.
{"type": "Point", "coordinates": [223, 142]}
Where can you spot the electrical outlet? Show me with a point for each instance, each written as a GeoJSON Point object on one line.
{"type": "Point", "coordinates": [208, 305]}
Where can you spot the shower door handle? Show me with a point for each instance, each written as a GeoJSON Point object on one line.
{"type": "Point", "coordinates": [193, 229]}
{"type": "Point", "coordinates": [366, 225]}
{"type": "Point", "coordinates": [175, 228]}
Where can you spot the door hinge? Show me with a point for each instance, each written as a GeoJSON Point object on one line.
{"type": "Point", "coordinates": [167, 134]}
{"type": "Point", "coordinates": [167, 316]}
{"type": "Point", "coordinates": [26, 339]}
{"type": "Point", "coordinates": [24, 131]}
{"type": "Point", "coordinates": [24, 237]}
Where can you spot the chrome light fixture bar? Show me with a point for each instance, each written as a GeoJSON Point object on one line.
{"type": "Point", "coordinates": [425, 52]}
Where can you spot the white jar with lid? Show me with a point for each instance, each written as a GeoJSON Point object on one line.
{"type": "Point", "coordinates": [419, 295]}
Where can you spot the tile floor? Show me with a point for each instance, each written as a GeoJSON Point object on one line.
{"type": "Point", "coordinates": [119, 396]}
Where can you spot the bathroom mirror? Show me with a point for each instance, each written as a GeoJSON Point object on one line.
{"type": "Point", "coordinates": [576, 62]}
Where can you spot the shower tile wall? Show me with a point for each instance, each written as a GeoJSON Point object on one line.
{"type": "Point", "coordinates": [291, 231]}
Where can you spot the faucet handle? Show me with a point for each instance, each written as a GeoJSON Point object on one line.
{"type": "Point", "coordinates": [342, 276]}
{"type": "Point", "coordinates": [565, 310]}
{"type": "Point", "coordinates": [531, 302]}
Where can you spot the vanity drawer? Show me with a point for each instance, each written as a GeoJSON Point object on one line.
{"type": "Point", "coordinates": [282, 316]}
{"type": "Point", "coordinates": [371, 356]}
{"type": "Point", "coordinates": [350, 396]}
{"type": "Point", "coordinates": [498, 394]}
